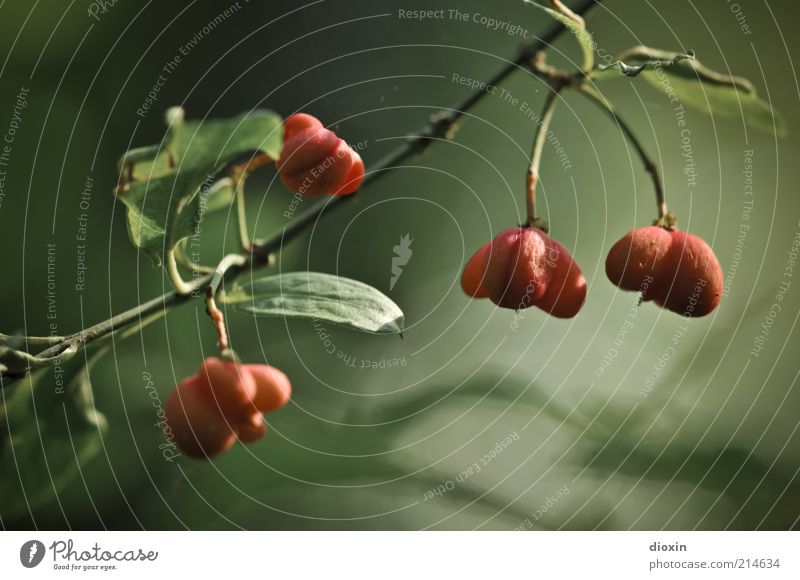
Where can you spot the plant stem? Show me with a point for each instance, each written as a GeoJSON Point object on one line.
{"type": "Point", "coordinates": [564, 10]}
{"type": "Point", "coordinates": [181, 286]}
{"type": "Point", "coordinates": [30, 340]}
{"type": "Point", "coordinates": [532, 176]}
{"type": "Point", "coordinates": [183, 260]}
{"type": "Point", "coordinates": [241, 209]}
{"type": "Point", "coordinates": [228, 262]}
{"type": "Point", "coordinates": [218, 318]}
{"type": "Point", "coordinates": [260, 254]}
{"type": "Point", "coordinates": [649, 164]}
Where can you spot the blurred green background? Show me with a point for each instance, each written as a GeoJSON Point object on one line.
{"type": "Point", "coordinates": [370, 445]}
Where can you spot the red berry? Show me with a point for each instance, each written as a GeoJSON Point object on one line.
{"type": "Point", "coordinates": [566, 292]}
{"type": "Point", "coordinates": [299, 122]}
{"type": "Point", "coordinates": [273, 388]}
{"type": "Point", "coordinates": [314, 161]}
{"type": "Point", "coordinates": [198, 428]}
{"type": "Point", "coordinates": [524, 267]}
{"type": "Point", "coordinates": [228, 386]}
{"type": "Point", "coordinates": [473, 275]}
{"type": "Point", "coordinates": [353, 180]}
{"type": "Point", "coordinates": [253, 429]}
{"type": "Point", "coordinates": [676, 270]}
{"type": "Point", "coordinates": [222, 402]}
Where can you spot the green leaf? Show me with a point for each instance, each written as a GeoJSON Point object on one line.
{"type": "Point", "coordinates": [51, 429]}
{"type": "Point", "coordinates": [168, 188]}
{"type": "Point", "coordinates": [325, 297]}
{"type": "Point", "coordinates": [701, 88]}
{"type": "Point", "coordinates": [575, 24]}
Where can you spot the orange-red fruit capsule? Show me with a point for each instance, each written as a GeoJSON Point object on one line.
{"type": "Point", "coordinates": [207, 412]}
{"type": "Point", "coordinates": [273, 389]}
{"type": "Point", "coordinates": [524, 267]}
{"type": "Point", "coordinates": [473, 275]}
{"type": "Point", "coordinates": [251, 429]}
{"type": "Point", "coordinates": [677, 270]}
{"type": "Point", "coordinates": [314, 161]}
{"type": "Point", "coordinates": [196, 426]}
{"type": "Point", "coordinates": [227, 386]}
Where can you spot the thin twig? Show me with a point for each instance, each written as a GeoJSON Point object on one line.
{"type": "Point", "coordinates": [218, 318]}
{"type": "Point", "coordinates": [559, 7]}
{"type": "Point", "coordinates": [171, 265]}
{"type": "Point", "coordinates": [241, 209]}
{"type": "Point", "coordinates": [228, 262]}
{"type": "Point", "coordinates": [30, 340]}
{"type": "Point", "coordinates": [539, 138]}
{"type": "Point", "coordinates": [183, 260]}
{"type": "Point", "coordinates": [648, 162]}
{"type": "Point", "coordinates": [261, 254]}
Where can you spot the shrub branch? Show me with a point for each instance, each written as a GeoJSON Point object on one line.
{"type": "Point", "coordinates": [261, 253]}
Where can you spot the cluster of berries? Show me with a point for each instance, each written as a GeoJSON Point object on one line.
{"type": "Point", "coordinates": [519, 268]}
{"type": "Point", "coordinates": [524, 267]}
{"type": "Point", "coordinates": [208, 412]}
{"type": "Point", "coordinates": [223, 402]}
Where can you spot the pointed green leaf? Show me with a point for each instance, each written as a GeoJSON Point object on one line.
{"type": "Point", "coordinates": [325, 297]}
{"type": "Point", "coordinates": [168, 188]}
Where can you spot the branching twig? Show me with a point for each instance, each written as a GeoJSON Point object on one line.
{"type": "Point", "coordinates": [261, 254]}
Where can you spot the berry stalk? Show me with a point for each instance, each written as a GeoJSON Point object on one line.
{"type": "Point", "coordinates": [649, 164]}
{"type": "Point", "coordinates": [532, 176]}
